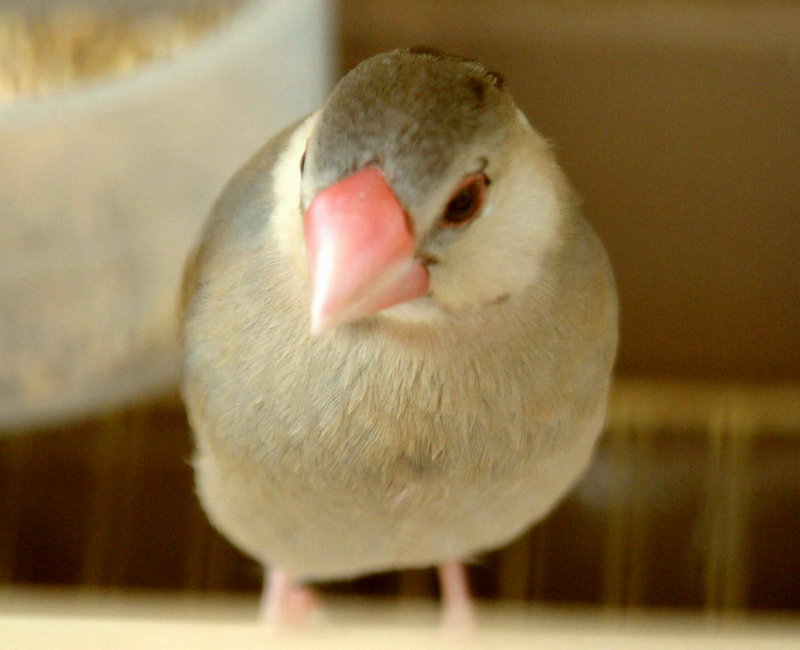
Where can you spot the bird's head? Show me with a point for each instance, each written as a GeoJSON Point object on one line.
{"type": "Point", "coordinates": [424, 192]}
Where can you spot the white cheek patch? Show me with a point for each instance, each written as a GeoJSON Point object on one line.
{"type": "Point", "coordinates": [503, 250]}
{"type": "Point", "coordinates": [286, 220]}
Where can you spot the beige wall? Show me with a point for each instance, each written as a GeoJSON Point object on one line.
{"type": "Point", "coordinates": [679, 124]}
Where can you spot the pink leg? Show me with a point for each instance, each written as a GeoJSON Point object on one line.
{"type": "Point", "coordinates": [458, 611]}
{"type": "Point", "coordinates": [285, 604]}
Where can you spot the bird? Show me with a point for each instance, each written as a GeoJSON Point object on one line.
{"type": "Point", "coordinates": [398, 335]}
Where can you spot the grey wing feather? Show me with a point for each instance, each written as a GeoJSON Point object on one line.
{"type": "Point", "coordinates": [243, 199]}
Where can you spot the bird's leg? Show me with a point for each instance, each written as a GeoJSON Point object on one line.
{"type": "Point", "coordinates": [458, 611]}
{"type": "Point", "coordinates": [284, 602]}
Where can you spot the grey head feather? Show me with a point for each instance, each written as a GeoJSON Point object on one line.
{"type": "Point", "coordinates": [410, 112]}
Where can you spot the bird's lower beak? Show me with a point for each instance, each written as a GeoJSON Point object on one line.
{"type": "Point", "coordinates": [360, 251]}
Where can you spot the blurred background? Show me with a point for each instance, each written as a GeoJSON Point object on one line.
{"type": "Point", "coordinates": [677, 122]}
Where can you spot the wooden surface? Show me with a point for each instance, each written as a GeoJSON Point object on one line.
{"type": "Point", "coordinates": [55, 620]}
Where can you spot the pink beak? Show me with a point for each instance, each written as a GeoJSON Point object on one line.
{"type": "Point", "coordinates": [360, 251]}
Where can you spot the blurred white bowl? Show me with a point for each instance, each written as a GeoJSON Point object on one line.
{"type": "Point", "coordinates": [103, 189]}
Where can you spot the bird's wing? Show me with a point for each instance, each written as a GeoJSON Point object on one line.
{"type": "Point", "coordinates": [252, 178]}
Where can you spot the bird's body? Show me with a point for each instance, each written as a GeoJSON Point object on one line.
{"type": "Point", "coordinates": [426, 432]}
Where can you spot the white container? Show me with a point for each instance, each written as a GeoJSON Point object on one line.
{"type": "Point", "coordinates": [103, 189]}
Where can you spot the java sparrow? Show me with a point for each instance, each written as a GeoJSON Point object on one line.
{"type": "Point", "coordinates": [399, 333]}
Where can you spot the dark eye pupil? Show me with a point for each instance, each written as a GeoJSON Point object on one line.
{"type": "Point", "coordinates": [463, 205]}
{"type": "Point", "coordinates": [462, 202]}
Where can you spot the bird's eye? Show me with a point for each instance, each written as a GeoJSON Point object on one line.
{"type": "Point", "coordinates": [465, 202]}
{"type": "Point", "coordinates": [302, 163]}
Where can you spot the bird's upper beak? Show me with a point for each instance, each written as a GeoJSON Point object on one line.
{"type": "Point", "coordinates": [360, 251]}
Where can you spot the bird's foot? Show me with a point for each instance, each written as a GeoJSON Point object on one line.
{"type": "Point", "coordinates": [458, 610]}
{"type": "Point", "coordinates": [286, 604]}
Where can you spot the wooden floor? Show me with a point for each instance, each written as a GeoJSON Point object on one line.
{"type": "Point", "coordinates": [80, 619]}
